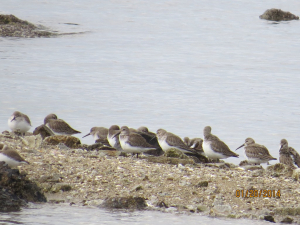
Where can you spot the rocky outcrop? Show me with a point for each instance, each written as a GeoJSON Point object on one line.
{"type": "Point", "coordinates": [11, 26]}
{"type": "Point", "coordinates": [69, 141]}
{"type": "Point", "coordinates": [16, 189]}
{"type": "Point", "coordinates": [278, 15]}
{"type": "Point", "coordinates": [125, 203]}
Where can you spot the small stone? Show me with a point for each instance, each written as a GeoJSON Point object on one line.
{"type": "Point", "coordinates": [296, 174]}
{"type": "Point", "coordinates": [162, 204]}
{"type": "Point", "coordinates": [145, 178]}
{"type": "Point", "coordinates": [201, 208]}
{"type": "Point", "coordinates": [138, 188]}
{"type": "Point", "coordinates": [202, 184]}
{"type": "Point", "coordinates": [125, 203]}
{"type": "Point", "coordinates": [269, 218]}
{"type": "Point", "coordinates": [61, 187]}
{"type": "Point", "coordinates": [287, 220]}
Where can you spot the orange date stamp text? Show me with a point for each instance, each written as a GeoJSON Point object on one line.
{"type": "Point", "coordinates": [257, 193]}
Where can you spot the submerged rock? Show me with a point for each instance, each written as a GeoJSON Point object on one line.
{"type": "Point", "coordinates": [11, 26]}
{"type": "Point", "coordinates": [278, 15]}
{"type": "Point", "coordinates": [16, 189]}
{"type": "Point", "coordinates": [125, 203]}
{"type": "Point", "coordinates": [69, 141]}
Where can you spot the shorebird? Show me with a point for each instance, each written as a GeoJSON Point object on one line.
{"type": "Point", "coordinates": [214, 148]}
{"type": "Point", "coordinates": [19, 122]}
{"type": "Point", "coordinates": [285, 156]}
{"type": "Point", "coordinates": [113, 137]}
{"type": "Point", "coordinates": [151, 138]}
{"type": "Point", "coordinates": [58, 126]}
{"type": "Point", "coordinates": [99, 134]}
{"type": "Point", "coordinates": [256, 153]}
{"type": "Point", "coordinates": [132, 142]}
{"type": "Point", "coordinates": [169, 140]}
{"type": "Point", "coordinates": [11, 157]}
{"type": "Point", "coordinates": [195, 143]}
{"type": "Point", "coordinates": [295, 155]}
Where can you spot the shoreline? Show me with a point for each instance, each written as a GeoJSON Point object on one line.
{"type": "Point", "coordinates": [91, 178]}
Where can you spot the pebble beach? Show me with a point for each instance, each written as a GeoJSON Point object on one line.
{"type": "Point", "coordinates": [77, 176]}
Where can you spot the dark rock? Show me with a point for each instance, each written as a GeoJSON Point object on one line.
{"type": "Point", "coordinates": [175, 153]}
{"type": "Point", "coordinates": [11, 26]}
{"type": "Point", "coordinates": [169, 160]}
{"type": "Point", "coordinates": [288, 211]}
{"type": "Point", "coordinates": [278, 15]}
{"type": "Point", "coordinates": [279, 169]}
{"type": "Point", "coordinates": [69, 141]}
{"type": "Point", "coordinates": [162, 204]}
{"type": "Point", "coordinates": [16, 189]}
{"type": "Point", "coordinates": [97, 146]}
{"type": "Point", "coordinates": [9, 201]}
{"type": "Point", "coordinates": [61, 187]}
{"type": "Point", "coordinates": [198, 158]}
{"type": "Point", "coordinates": [125, 203]}
{"type": "Point", "coordinates": [202, 184]}
{"type": "Point", "coordinates": [269, 218]}
{"type": "Point", "coordinates": [287, 220]}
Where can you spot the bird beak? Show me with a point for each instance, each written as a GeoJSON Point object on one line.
{"type": "Point", "coordinates": [116, 134]}
{"type": "Point", "coordinates": [240, 146]}
{"type": "Point", "coordinates": [13, 119]}
{"type": "Point", "coordinates": [86, 135]}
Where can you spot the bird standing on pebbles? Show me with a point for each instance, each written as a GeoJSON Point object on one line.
{"type": "Point", "coordinates": [169, 140]}
{"type": "Point", "coordinates": [132, 142]}
{"type": "Point", "coordinates": [286, 154]}
{"type": "Point", "coordinates": [214, 148]}
{"type": "Point", "coordinates": [11, 157]}
{"type": "Point", "coordinates": [58, 126]}
{"type": "Point", "coordinates": [99, 134]}
{"type": "Point", "coordinates": [256, 153]}
{"type": "Point", "coordinates": [113, 137]}
{"type": "Point", "coordinates": [195, 143]}
{"type": "Point", "coordinates": [19, 122]}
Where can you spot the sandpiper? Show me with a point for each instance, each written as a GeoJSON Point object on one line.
{"type": "Point", "coordinates": [295, 156]}
{"type": "Point", "coordinates": [11, 157]}
{"type": "Point", "coordinates": [214, 148]}
{"type": "Point", "coordinates": [113, 137]}
{"type": "Point", "coordinates": [285, 156]}
{"type": "Point", "coordinates": [132, 142]}
{"type": "Point", "coordinates": [99, 134]}
{"type": "Point", "coordinates": [151, 138]}
{"type": "Point", "coordinates": [256, 153]}
{"type": "Point", "coordinates": [194, 143]}
{"type": "Point", "coordinates": [19, 122]}
{"type": "Point", "coordinates": [169, 140]}
{"type": "Point", "coordinates": [58, 126]}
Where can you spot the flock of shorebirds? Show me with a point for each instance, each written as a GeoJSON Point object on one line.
{"type": "Point", "coordinates": [130, 140]}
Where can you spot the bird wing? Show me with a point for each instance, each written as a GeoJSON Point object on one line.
{"type": "Point", "coordinates": [174, 140]}
{"type": "Point", "coordinates": [137, 140]}
{"type": "Point", "coordinates": [258, 151]}
{"type": "Point", "coordinates": [295, 155]}
{"type": "Point", "coordinates": [27, 119]}
{"type": "Point", "coordinates": [220, 147]}
{"type": "Point", "coordinates": [60, 126]}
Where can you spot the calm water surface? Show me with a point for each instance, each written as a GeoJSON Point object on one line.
{"type": "Point", "coordinates": [177, 65]}
{"type": "Point", "coordinates": [49, 214]}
